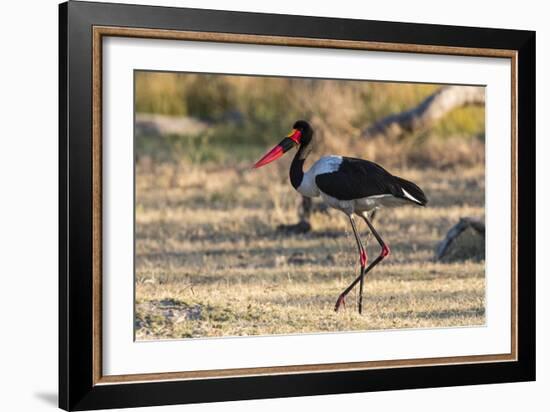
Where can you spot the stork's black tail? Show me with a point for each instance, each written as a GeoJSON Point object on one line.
{"type": "Point", "coordinates": [412, 192]}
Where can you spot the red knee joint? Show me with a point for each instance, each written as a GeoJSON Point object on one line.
{"type": "Point", "coordinates": [363, 258]}
{"type": "Point", "coordinates": [385, 251]}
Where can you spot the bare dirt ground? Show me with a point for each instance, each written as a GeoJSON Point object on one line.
{"type": "Point", "coordinates": [210, 262]}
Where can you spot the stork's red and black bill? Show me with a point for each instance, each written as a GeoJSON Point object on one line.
{"type": "Point", "coordinates": [292, 140]}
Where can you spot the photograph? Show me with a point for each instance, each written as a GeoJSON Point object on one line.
{"type": "Point", "coordinates": [269, 205]}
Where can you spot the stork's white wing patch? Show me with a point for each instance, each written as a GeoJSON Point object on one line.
{"type": "Point", "coordinates": [408, 195]}
{"type": "Point", "coordinates": [326, 164]}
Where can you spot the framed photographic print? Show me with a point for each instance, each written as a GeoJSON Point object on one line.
{"type": "Point", "coordinates": [257, 205]}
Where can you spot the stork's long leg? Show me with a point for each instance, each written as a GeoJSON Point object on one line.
{"type": "Point", "coordinates": [360, 249]}
{"type": "Point", "coordinates": [372, 215]}
{"type": "Point", "coordinates": [383, 253]}
{"type": "Point", "coordinates": [362, 257]}
{"type": "Point", "coordinates": [362, 275]}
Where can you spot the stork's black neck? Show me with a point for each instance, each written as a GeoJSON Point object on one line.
{"type": "Point", "coordinates": [297, 166]}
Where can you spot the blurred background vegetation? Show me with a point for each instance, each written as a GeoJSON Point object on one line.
{"type": "Point", "coordinates": [202, 118]}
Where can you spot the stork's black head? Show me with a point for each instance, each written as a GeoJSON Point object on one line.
{"type": "Point", "coordinates": [301, 134]}
{"type": "Point", "coordinates": [305, 129]}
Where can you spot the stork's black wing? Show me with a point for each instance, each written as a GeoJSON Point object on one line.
{"type": "Point", "coordinates": [358, 178]}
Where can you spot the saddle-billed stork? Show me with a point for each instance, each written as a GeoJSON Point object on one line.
{"type": "Point", "coordinates": [356, 187]}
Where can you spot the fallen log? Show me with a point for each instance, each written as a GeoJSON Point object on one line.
{"type": "Point", "coordinates": [455, 232]}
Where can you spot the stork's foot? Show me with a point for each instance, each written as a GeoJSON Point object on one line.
{"type": "Point", "coordinates": [299, 228]}
{"type": "Point", "coordinates": [340, 302]}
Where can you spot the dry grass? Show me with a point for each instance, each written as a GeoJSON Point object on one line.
{"type": "Point", "coordinates": [209, 261]}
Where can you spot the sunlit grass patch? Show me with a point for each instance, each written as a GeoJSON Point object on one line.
{"type": "Point", "coordinates": [210, 262]}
